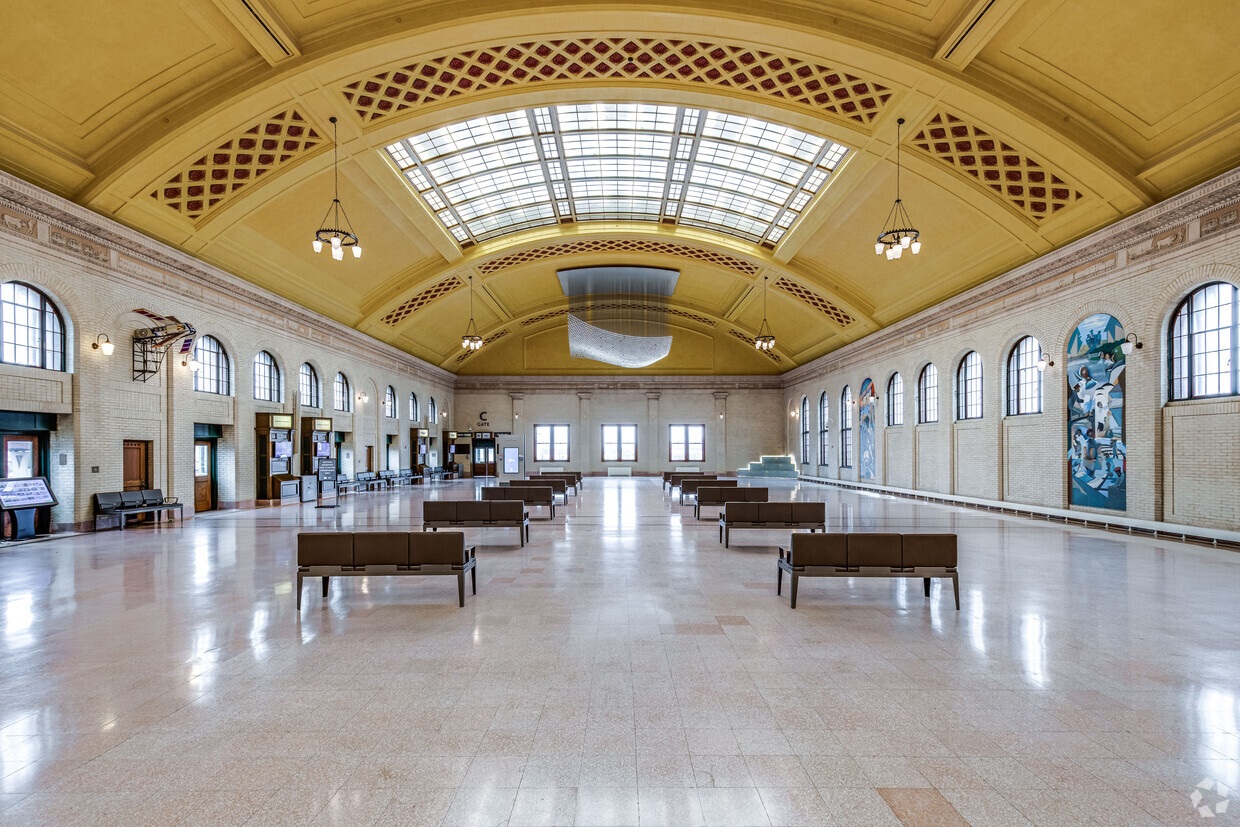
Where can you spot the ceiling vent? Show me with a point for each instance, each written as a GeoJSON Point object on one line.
{"type": "Point", "coordinates": [262, 28]}
{"type": "Point", "coordinates": [973, 29]}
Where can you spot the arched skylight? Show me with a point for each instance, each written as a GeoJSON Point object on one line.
{"type": "Point", "coordinates": [499, 174]}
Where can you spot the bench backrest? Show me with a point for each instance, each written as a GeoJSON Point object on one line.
{"type": "Point", "coordinates": [569, 477]}
{"type": "Point", "coordinates": [533, 494]}
{"type": "Point", "coordinates": [489, 509]}
{"type": "Point", "coordinates": [812, 512]}
{"type": "Point", "coordinates": [677, 479]}
{"type": "Point", "coordinates": [152, 496]}
{"type": "Point", "coordinates": [108, 501]}
{"type": "Point", "coordinates": [558, 484]}
{"type": "Point", "coordinates": [873, 549]}
{"type": "Point", "coordinates": [436, 548]}
{"type": "Point", "coordinates": [333, 548]}
{"type": "Point", "coordinates": [437, 511]}
{"type": "Point", "coordinates": [473, 511]}
{"type": "Point", "coordinates": [507, 511]}
{"type": "Point", "coordinates": [696, 484]}
{"type": "Point", "coordinates": [132, 499]}
{"type": "Point", "coordinates": [380, 548]}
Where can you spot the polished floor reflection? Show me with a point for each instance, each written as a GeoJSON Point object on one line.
{"type": "Point", "coordinates": [623, 668]}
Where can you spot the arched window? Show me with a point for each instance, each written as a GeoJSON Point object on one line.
{"type": "Point", "coordinates": [846, 420]}
{"type": "Point", "coordinates": [344, 398]}
{"type": "Point", "coordinates": [389, 403]}
{"type": "Point", "coordinates": [928, 394]}
{"type": "Point", "coordinates": [308, 383]}
{"type": "Point", "coordinates": [431, 411]}
{"type": "Point", "coordinates": [266, 378]}
{"type": "Point", "coordinates": [969, 387]}
{"type": "Point", "coordinates": [895, 400]}
{"type": "Point", "coordinates": [1203, 343]}
{"type": "Point", "coordinates": [414, 413]}
{"type": "Point", "coordinates": [1024, 378]}
{"type": "Point", "coordinates": [822, 428]}
{"type": "Point", "coordinates": [805, 430]}
{"type": "Point", "coordinates": [214, 374]}
{"type": "Point", "coordinates": [32, 332]}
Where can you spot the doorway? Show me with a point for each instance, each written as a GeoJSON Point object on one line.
{"type": "Point", "coordinates": [484, 458]}
{"type": "Point", "coordinates": [137, 465]}
{"type": "Point", "coordinates": [204, 475]}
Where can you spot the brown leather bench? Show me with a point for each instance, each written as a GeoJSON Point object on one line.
{"type": "Point", "coordinates": [506, 513]}
{"type": "Point", "coordinates": [715, 496]}
{"type": "Point", "coordinates": [572, 480]}
{"type": "Point", "coordinates": [384, 553]}
{"type": "Point", "coordinates": [812, 515]}
{"type": "Point", "coordinates": [870, 555]}
{"type": "Point", "coordinates": [689, 487]}
{"type": "Point", "coordinates": [529, 494]}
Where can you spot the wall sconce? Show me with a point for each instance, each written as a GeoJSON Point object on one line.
{"type": "Point", "coordinates": [1127, 346]}
{"type": "Point", "coordinates": [721, 414]}
{"type": "Point", "coordinates": [363, 398]}
{"type": "Point", "coordinates": [192, 364]}
{"type": "Point", "coordinates": [516, 416]}
{"type": "Point", "coordinates": [1044, 362]}
{"type": "Point", "coordinates": [102, 342]}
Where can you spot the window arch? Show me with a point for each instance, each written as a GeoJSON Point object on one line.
{"type": "Point", "coordinates": [928, 394]}
{"type": "Point", "coordinates": [823, 422]}
{"type": "Point", "coordinates": [1203, 346]}
{"type": "Point", "coordinates": [414, 413]}
{"type": "Point", "coordinates": [344, 397]}
{"type": "Point", "coordinates": [389, 402]}
{"type": "Point", "coordinates": [969, 386]}
{"type": "Point", "coordinates": [805, 430]}
{"type": "Point", "coordinates": [846, 435]}
{"type": "Point", "coordinates": [214, 374]}
{"type": "Point", "coordinates": [431, 411]}
{"type": "Point", "coordinates": [267, 378]}
{"type": "Point", "coordinates": [1024, 376]}
{"type": "Point", "coordinates": [308, 384]}
{"type": "Point", "coordinates": [32, 331]}
{"type": "Point", "coordinates": [895, 400]}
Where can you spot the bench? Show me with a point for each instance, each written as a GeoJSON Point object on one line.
{"type": "Point", "coordinates": [674, 480]}
{"type": "Point", "coordinates": [506, 513]}
{"type": "Point", "coordinates": [770, 515]}
{"type": "Point", "coordinates": [715, 496]}
{"type": "Point", "coordinates": [559, 485]}
{"type": "Point", "coordinates": [374, 553]}
{"type": "Point", "coordinates": [869, 555]}
{"type": "Point", "coordinates": [689, 487]}
{"type": "Point", "coordinates": [529, 494]}
{"type": "Point", "coordinates": [681, 469]}
{"type": "Point", "coordinates": [572, 480]}
{"type": "Point", "coordinates": [119, 505]}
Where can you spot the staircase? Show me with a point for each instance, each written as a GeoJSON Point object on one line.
{"type": "Point", "coordinates": [777, 466]}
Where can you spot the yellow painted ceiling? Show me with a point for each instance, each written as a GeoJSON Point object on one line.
{"type": "Point", "coordinates": [1029, 123]}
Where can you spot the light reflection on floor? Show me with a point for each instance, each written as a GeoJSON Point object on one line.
{"type": "Point", "coordinates": [621, 668]}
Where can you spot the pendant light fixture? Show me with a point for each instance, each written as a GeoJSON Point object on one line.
{"type": "Point", "coordinates": [333, 232]}
{"type": "Point", "coordinates": [898, 234]}
{"type": "Point", "coordinates": [471, 340]}
{"type": "Point", "coordinates": [765, 340]}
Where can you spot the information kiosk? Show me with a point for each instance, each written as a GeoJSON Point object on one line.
{"type": "Point", "coordinates": [274, 454]}
{"type": "Point", "coordinates": [20, 498]}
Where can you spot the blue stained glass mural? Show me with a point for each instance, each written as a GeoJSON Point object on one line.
{"type": "Point", "coordinates": [1097, 454]}
{"type": "Point", "coordinates": [865, 417]}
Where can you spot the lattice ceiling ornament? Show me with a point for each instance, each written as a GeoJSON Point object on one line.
{"type": "Point", "coordinates": [826, 308]}
{"type": "Point", "coordinates": [729, 66]}
{"type": "Point", "coordinates": [1010, 173]}
{"type": "Point", "coordinates": [200, 186]}
{"type": "Point", "coordinates": [618, 245]}
{"type": "Point", "coordinates": [412, 305]}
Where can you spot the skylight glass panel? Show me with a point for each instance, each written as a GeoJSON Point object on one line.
{"type": "Point", "coordinates": [498, 174]}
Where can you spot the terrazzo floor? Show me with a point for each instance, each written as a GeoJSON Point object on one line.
{"type": "Point", "coordinates": [621, 669]}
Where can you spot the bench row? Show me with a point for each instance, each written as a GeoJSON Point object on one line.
{"type": "Point", "coordinates": [437, 514]}
{"type": "Point", "coordinates": [839, 554]}
{"type": "Point", "coordinates": [118, 505]}
{"type": "Point", "coordinates": [767, 515]}
{"type": "Point", "coordinates": [329, 554]}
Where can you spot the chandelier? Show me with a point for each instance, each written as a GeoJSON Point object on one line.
{"type": "Point", "coordinates": [330, 232]}
{"type": "Point", "coordinates": [898, 234]}
{"type": "Point", "coordinates": [471, 341]}
{"type": "Point", "coordinates": [765, 340]}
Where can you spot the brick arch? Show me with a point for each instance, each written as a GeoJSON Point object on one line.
{"type": "Point", "coordinates": [1158, 317]}
{"type": "Point", "coordinates": [1115, 308]}
{"type": "Point", "coordinates": [57, 288]}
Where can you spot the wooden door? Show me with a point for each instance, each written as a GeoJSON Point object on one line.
{"type": "Point", "coordinates": [137, 465]}
{"type": "Point", "coordinates": [204, 475]}
{"type": "Point", "coordinates": [370, 458]}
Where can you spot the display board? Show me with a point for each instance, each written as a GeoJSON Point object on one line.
{"type": "Point", "coordinates": [28, 492]}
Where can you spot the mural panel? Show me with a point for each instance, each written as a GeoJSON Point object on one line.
{"type": "Point", "coordinates": [1097, 455]}
{"type": "Point", "coordinates": [865, 415]}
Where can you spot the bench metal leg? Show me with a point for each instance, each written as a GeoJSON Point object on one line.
{"type": "Point", "coordinates": [473, 575]}
{"type": "Point", "coordinates": [779, 580]}
{"type": "Point", "coordinates": [325, 581]}
{"type": "Point", "coordinates": [299, 579]}
{"type": "Point", "coordinates": [956, 588]}
{"type": "Point", "coordinates": [796, 580]}
{"type": "Point", "coordinates": [926, 582]}
{"type": "Point", "coordinates": [460, 588]}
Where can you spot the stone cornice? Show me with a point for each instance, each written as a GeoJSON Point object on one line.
{"type": "Point", "coordinates": [572, 384]}
{"type": "Point", "coordinates": [1076, 256]}
{"type": "Point", "coordinates": [57, 212]}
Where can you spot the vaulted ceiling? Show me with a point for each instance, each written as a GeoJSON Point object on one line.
{"type": "Point", "coordinates": [1029, 123]}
